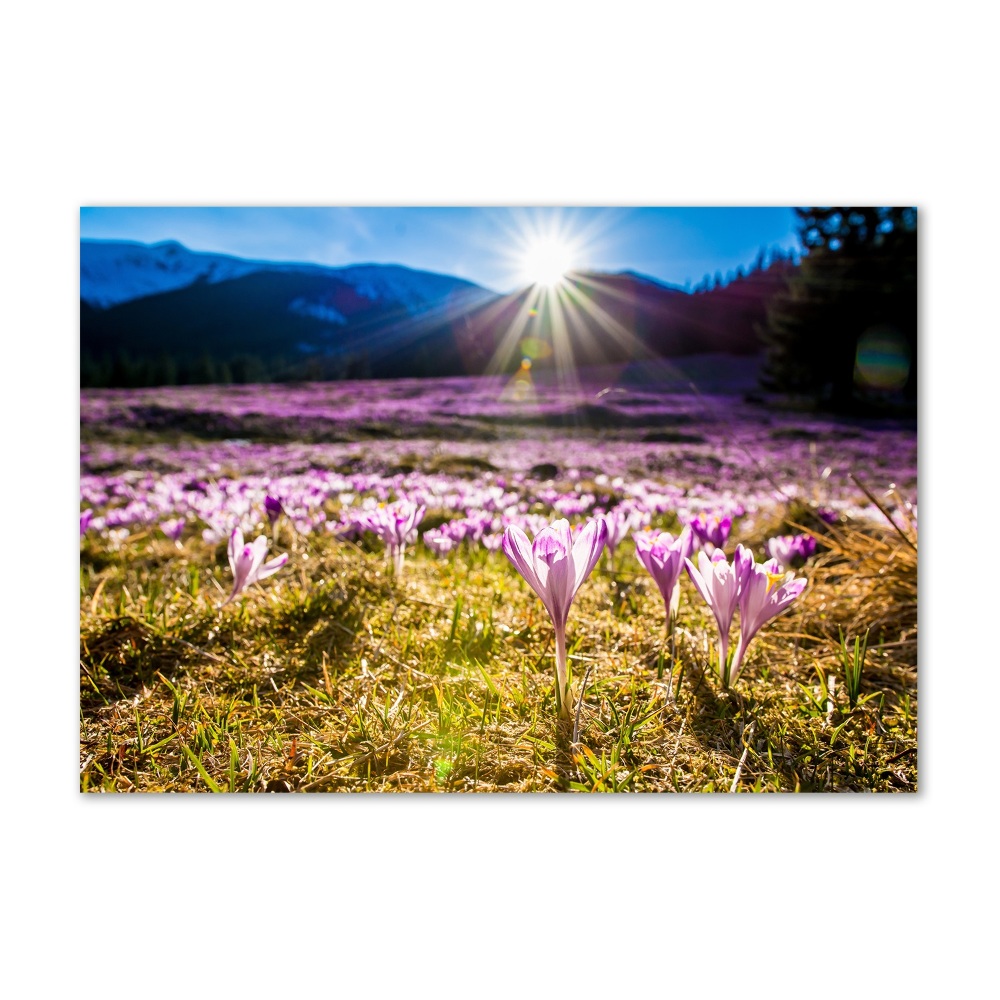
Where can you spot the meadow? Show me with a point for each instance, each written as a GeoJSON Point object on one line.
{"type": "Point", "coordinates": [346, 670]}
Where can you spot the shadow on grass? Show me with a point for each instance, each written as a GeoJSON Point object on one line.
{"type": "Point", "coordinates": [803, 750]}
{"type": "Point", "coordinates": [232, 648]}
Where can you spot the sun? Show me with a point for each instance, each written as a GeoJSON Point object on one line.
{"type": "Point", "coordinates": [545, 260]}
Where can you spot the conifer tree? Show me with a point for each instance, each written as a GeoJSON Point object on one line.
{"type": "Point", "coordinates": [858, 275]}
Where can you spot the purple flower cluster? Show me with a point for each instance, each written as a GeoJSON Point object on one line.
{"type": "Point", "coordinates": [791, 551]}
{"type": "Point", "coordinates": [396, 525]}
{"type": "Point", "coordinates": [710, 531]}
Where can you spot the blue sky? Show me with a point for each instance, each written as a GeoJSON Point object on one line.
{"type": "Point", "coordinates": [484, 245]}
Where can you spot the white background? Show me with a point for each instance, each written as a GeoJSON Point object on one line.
{"type": "Point", "coordinates": [519, 103]}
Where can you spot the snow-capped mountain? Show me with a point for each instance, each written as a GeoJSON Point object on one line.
{"type": "Point", "coordinates": [392, 282]}
{"type": "Point", "coordinates": [117, 271]}
{"type": "Point", "coordinates": [171, 309]}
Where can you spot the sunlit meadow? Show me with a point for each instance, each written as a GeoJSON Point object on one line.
{"type": "Point", "coordinates": [314, 588]}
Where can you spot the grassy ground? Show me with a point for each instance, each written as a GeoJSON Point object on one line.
{"type": "Point", "coordinates": [332, 676]}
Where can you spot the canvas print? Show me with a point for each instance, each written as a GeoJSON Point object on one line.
{"type": "Point", "coordinates": [500, 499]}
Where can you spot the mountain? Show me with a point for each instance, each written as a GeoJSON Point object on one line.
{"type": "Point", "coordinates": [117, 271]}
{"type": "Point", "coordinates": [163, 314]}
{"type": "Point", "coordinates": [112, 272]}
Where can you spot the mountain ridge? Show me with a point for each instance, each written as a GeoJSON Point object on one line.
{"type": "Point", "coordinates": [195, 317]}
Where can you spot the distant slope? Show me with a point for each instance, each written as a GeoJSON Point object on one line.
{"type": "Point", "coordinates": [612, 318]}
{"type": "Point", "coordinates": [282, 319]}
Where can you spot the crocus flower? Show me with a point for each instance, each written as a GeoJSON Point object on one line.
{"type": "Point", "coordinates": [791, 551]}
{"type": "Point", "coordinates": [620, 521]}
{"type": "Point", "coordinates": [664, 557]}
{"type": "Point", "coordinates": [85, 518]}
{"type": "Point", "coordinates": [273, 509]}
{"type": "Point", "coordinates": [718, 582]}
{"type": "Point", "coordinates": [554, 566]}
{"type": "Point", "coordinates": [397, 527]}
{"type": "Point", "coordinates": [173, 528]}
{"type": "Point", "coordinates": [764, 593]}
{"type": "Point", "coordinates": [247, 562]}
{"type": "Point", "coordinates": [439, 541]}
{"type": "Point", "coordinates": [711, 532]}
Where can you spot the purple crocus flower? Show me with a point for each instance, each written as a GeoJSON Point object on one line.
{"type": "Point", "coordinates": [86, 517]}
{"type": "Point", "coordinates": [791, 551]}
{"type": "Point", "coordinates": [173, 528]}
{"type": "Point", "coordinates": [397, 527]}
{"type": "Point", "coordinates": [719, 583]}
{"type": "Point", "coordinates": [620, 521]}
{"type": "Point", "coordinates": [664, 557]}
{"type": "Point", "coordinates": [439, 541]}
{"type": "Point", "coordinates": [554, 566]}
{"type": "Point", "coordinates": [764, 593]}
{"type": "Point", "coordinates": [711, 532]}
{"type": "Point", "coordinates": [273, 509]}
{"type": "Point", "coordinates": [247, 562]}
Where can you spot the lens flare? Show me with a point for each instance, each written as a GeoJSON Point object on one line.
{"type": "Point", "coordinates": [534, 349]}
{"type": "Point", "coordinates": [882, 360]}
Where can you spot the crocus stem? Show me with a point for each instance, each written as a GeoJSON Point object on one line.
{"type": "Point", "coordinates": [736, 664]}
{"type": "Point", "coordinates": [724, 665]}
{"type": "Point", "coordinates": [564, 698]}
{"type": "Point", "coordinates": [672, 655]}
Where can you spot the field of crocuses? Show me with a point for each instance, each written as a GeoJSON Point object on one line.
{"type": "Point", "coordinates": [493, 585]}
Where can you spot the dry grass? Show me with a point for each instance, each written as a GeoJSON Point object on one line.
{"type": "Point", "coordinates": [333, 677]}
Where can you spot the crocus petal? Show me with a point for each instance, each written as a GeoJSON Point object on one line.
{"type": "Point", "coordinates": [271, 567]}
{"type": "Point", "coordinates": [517, 549]}
{"type": "Point", "coordinates": [259, 549]}
{"type": "Point", "coordinates": [235, 547]}
{"type": "Point", "coordinates": [552, 557]}
{"type": "Point", "coordinates": [242, 567]}
{"type": "Point", "coordinates": [753, 603]}
{"type": "Point", "coordinates": [675, 601]}
{"type": "Point", "coordinates": [743, 563]}
{"type": "Point", "coordinates": [587, 550]}
{"type": "Point", "coordinates": [698, 580]}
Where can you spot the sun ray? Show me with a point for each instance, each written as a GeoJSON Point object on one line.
{"type": "Point", "coordinates": [555, 321]}
{"type": "Point", "coordinates": [625, 338]}
{"type": "Point", "coordinates": [507, 349]}
{"type": "Point", "coordinates": [562, 345]}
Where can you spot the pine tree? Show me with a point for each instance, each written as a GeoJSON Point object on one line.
{"type": "Point", "coordinates": [858, 276]}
